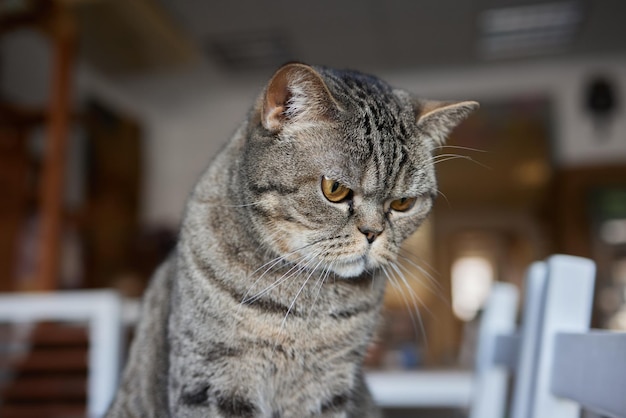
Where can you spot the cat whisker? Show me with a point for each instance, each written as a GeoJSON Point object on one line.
{"type": "Point", "coordinates": [411, 274]}
{"type": "Point", "coordinates": [302, 264]}
{"type": "Point", "coordinates": [463, 148]}
{"type": "Point", "coordinates": [447, 157]}
{"type": "Point", "coordinates": [400, 289]}
{"type": "Point", "coordinates": [414, 296]}
{"type": "Point", "coordinates": [432, 285]}
{"type": "Point", "coordinates": [319, 284]}
{"type": "Point", "coordinates": [404, 255]}
{"type": "Point", "coordinates": [273, 263]}
{"type": "Point", "coordinates": [282, 325]}
{"type": "Point", "coordinates": [438, 290]}
{"type": "Point", "coordinates": [309, 261]}
{"type": "Point", "coordinates": [294, 271]}
{"type": "Point", "coordinates": [440, 193]}
{"type": "Point", "coordinates": [413, 299]}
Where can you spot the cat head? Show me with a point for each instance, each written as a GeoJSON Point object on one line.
{"type": "Point", "coordinates": [337, 169]}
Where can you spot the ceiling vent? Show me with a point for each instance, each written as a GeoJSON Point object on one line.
{"type": "Point", "coordinates": [529, 30]}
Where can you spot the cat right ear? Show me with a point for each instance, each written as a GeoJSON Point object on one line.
{"type": "Point", "coordinates": [438, 119]}
{"type": "Point", "coordinates": [296, 94]}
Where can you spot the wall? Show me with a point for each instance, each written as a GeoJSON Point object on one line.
{"type": "Point", "coordinates": [577, 142]}
{"type": "Point", "coordinates": [188, 119]}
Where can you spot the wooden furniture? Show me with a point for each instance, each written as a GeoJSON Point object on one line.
{"type": "Point", "coordinates": [51, 19]}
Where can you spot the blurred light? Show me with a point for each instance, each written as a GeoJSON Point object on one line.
{"type": "Point", "coordinates": [532, 173]}
{"type": "Point", "coordinates": [531, 17]}
{"type": "Point", "coordinates": [472, 278]}
{"type": "Point", "coordinates": [614, 231]}
{"type": "Point", "coordinates": [618, 271]}
{"type": "Point", "coordinates": [618, 321]}
{"type": "Point", "coordinates": [529, 30]}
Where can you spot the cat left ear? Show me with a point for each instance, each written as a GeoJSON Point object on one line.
{"type": "Point", "coordinates": [296, 93]}
{"type": "Point", "coordinates": [438, 119]}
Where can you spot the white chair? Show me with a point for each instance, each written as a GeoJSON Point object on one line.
{"type": "Point", "coordinates": [559, 367]}
{"type": "Point", "coordinates": [494, 353]}
{"type": "Point", "coordinates": [483, 390]}
{"type": "Point", "coordinates": [563, 367]}
{"type": "Point", "coordinates": [100, 311]}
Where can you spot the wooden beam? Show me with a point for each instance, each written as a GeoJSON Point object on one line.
{"type": "Point", "coordinates": [51, 188]}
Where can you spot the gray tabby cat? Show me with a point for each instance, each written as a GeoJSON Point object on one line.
{"type": "Point", "coordinates": [269, 302]}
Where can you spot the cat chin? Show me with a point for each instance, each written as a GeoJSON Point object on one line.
{"type": "Point", "coordinates": [349, 270]}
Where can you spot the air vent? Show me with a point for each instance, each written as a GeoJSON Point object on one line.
{"type": "Point", "coordinates": [529, 30]}
{"type": "Point", "coordinates": [250, 51]}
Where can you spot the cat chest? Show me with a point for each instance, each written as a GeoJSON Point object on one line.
{"type": "Point", "coordinates": [265, 380]}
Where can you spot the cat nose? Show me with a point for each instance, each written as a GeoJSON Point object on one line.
{"type": "Point", "coordinates": [370, 234]}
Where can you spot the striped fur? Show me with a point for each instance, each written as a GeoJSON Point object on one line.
{"type": "Point", "coordinates": [268, 304]}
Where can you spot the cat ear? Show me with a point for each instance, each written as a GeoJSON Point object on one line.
{"type": "Point", "coordinates": [295, 94]}
{"type": "Point", "coordinates": [438, 119]}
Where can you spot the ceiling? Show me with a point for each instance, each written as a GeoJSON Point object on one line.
{"type": "Point", "coordinates": [374, 35]}
{"type": "Point", "coordinates": [255, 36]}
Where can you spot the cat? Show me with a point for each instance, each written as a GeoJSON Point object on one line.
{"type": "Point", "coordinates": [268, 303]}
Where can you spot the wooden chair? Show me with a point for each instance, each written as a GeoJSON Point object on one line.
{"type": "Point", "coordinates": [61, 353]}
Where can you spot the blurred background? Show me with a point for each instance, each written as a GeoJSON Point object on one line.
{"type": "Point", "coordinates": [110, 110]}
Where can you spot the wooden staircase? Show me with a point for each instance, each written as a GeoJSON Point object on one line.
{"type": "Point", "coordinates": [43, 371]}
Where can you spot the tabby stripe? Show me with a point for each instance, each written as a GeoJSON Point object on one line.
{"type": "Point", "coordinates": [197, 396]}
{"type": "Point", "coordinates": [368, 125]}
{"type": "Point", "coordinates": [276, 347]}
{"type": "Point", "coordinates": [221, 350]}
{"type": "Point", "coordinates": [281, 189]}
{"type": "Point", "coordinates": [236, 406]}
{"type": "Point", "coordinates": [263, 304]}
{"type": "Point", "coordinates": [352, 311]}
{"type": "Point", "coordinates": [287, 218]}
{"type": "Point", "coordinates": [269, 305]}
{"type": "Point", "coordinates": [337, 402]}
{"type": "Point", "coordinates": [397, 149]}
{"type": "Point", "coordinates": [232, 406]}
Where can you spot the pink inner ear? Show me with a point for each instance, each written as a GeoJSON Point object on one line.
{"type": "Point", "coordinates": [301, 82]}
{"type": "Point", "coordinates": [276, 98]}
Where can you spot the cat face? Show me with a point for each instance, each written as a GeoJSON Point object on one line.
{"type": "Point", "coordinates": [339, 169]}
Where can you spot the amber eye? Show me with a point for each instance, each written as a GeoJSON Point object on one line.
{"type": "Point", "coordinates": [334, 191]}
{"type": "Point", "coordinates": [404, 204]}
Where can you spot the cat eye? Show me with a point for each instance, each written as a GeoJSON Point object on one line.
{"type": "Point", "coordinates": [334, 191]}
{"type": "Point", "coordinates": [404, 204]}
